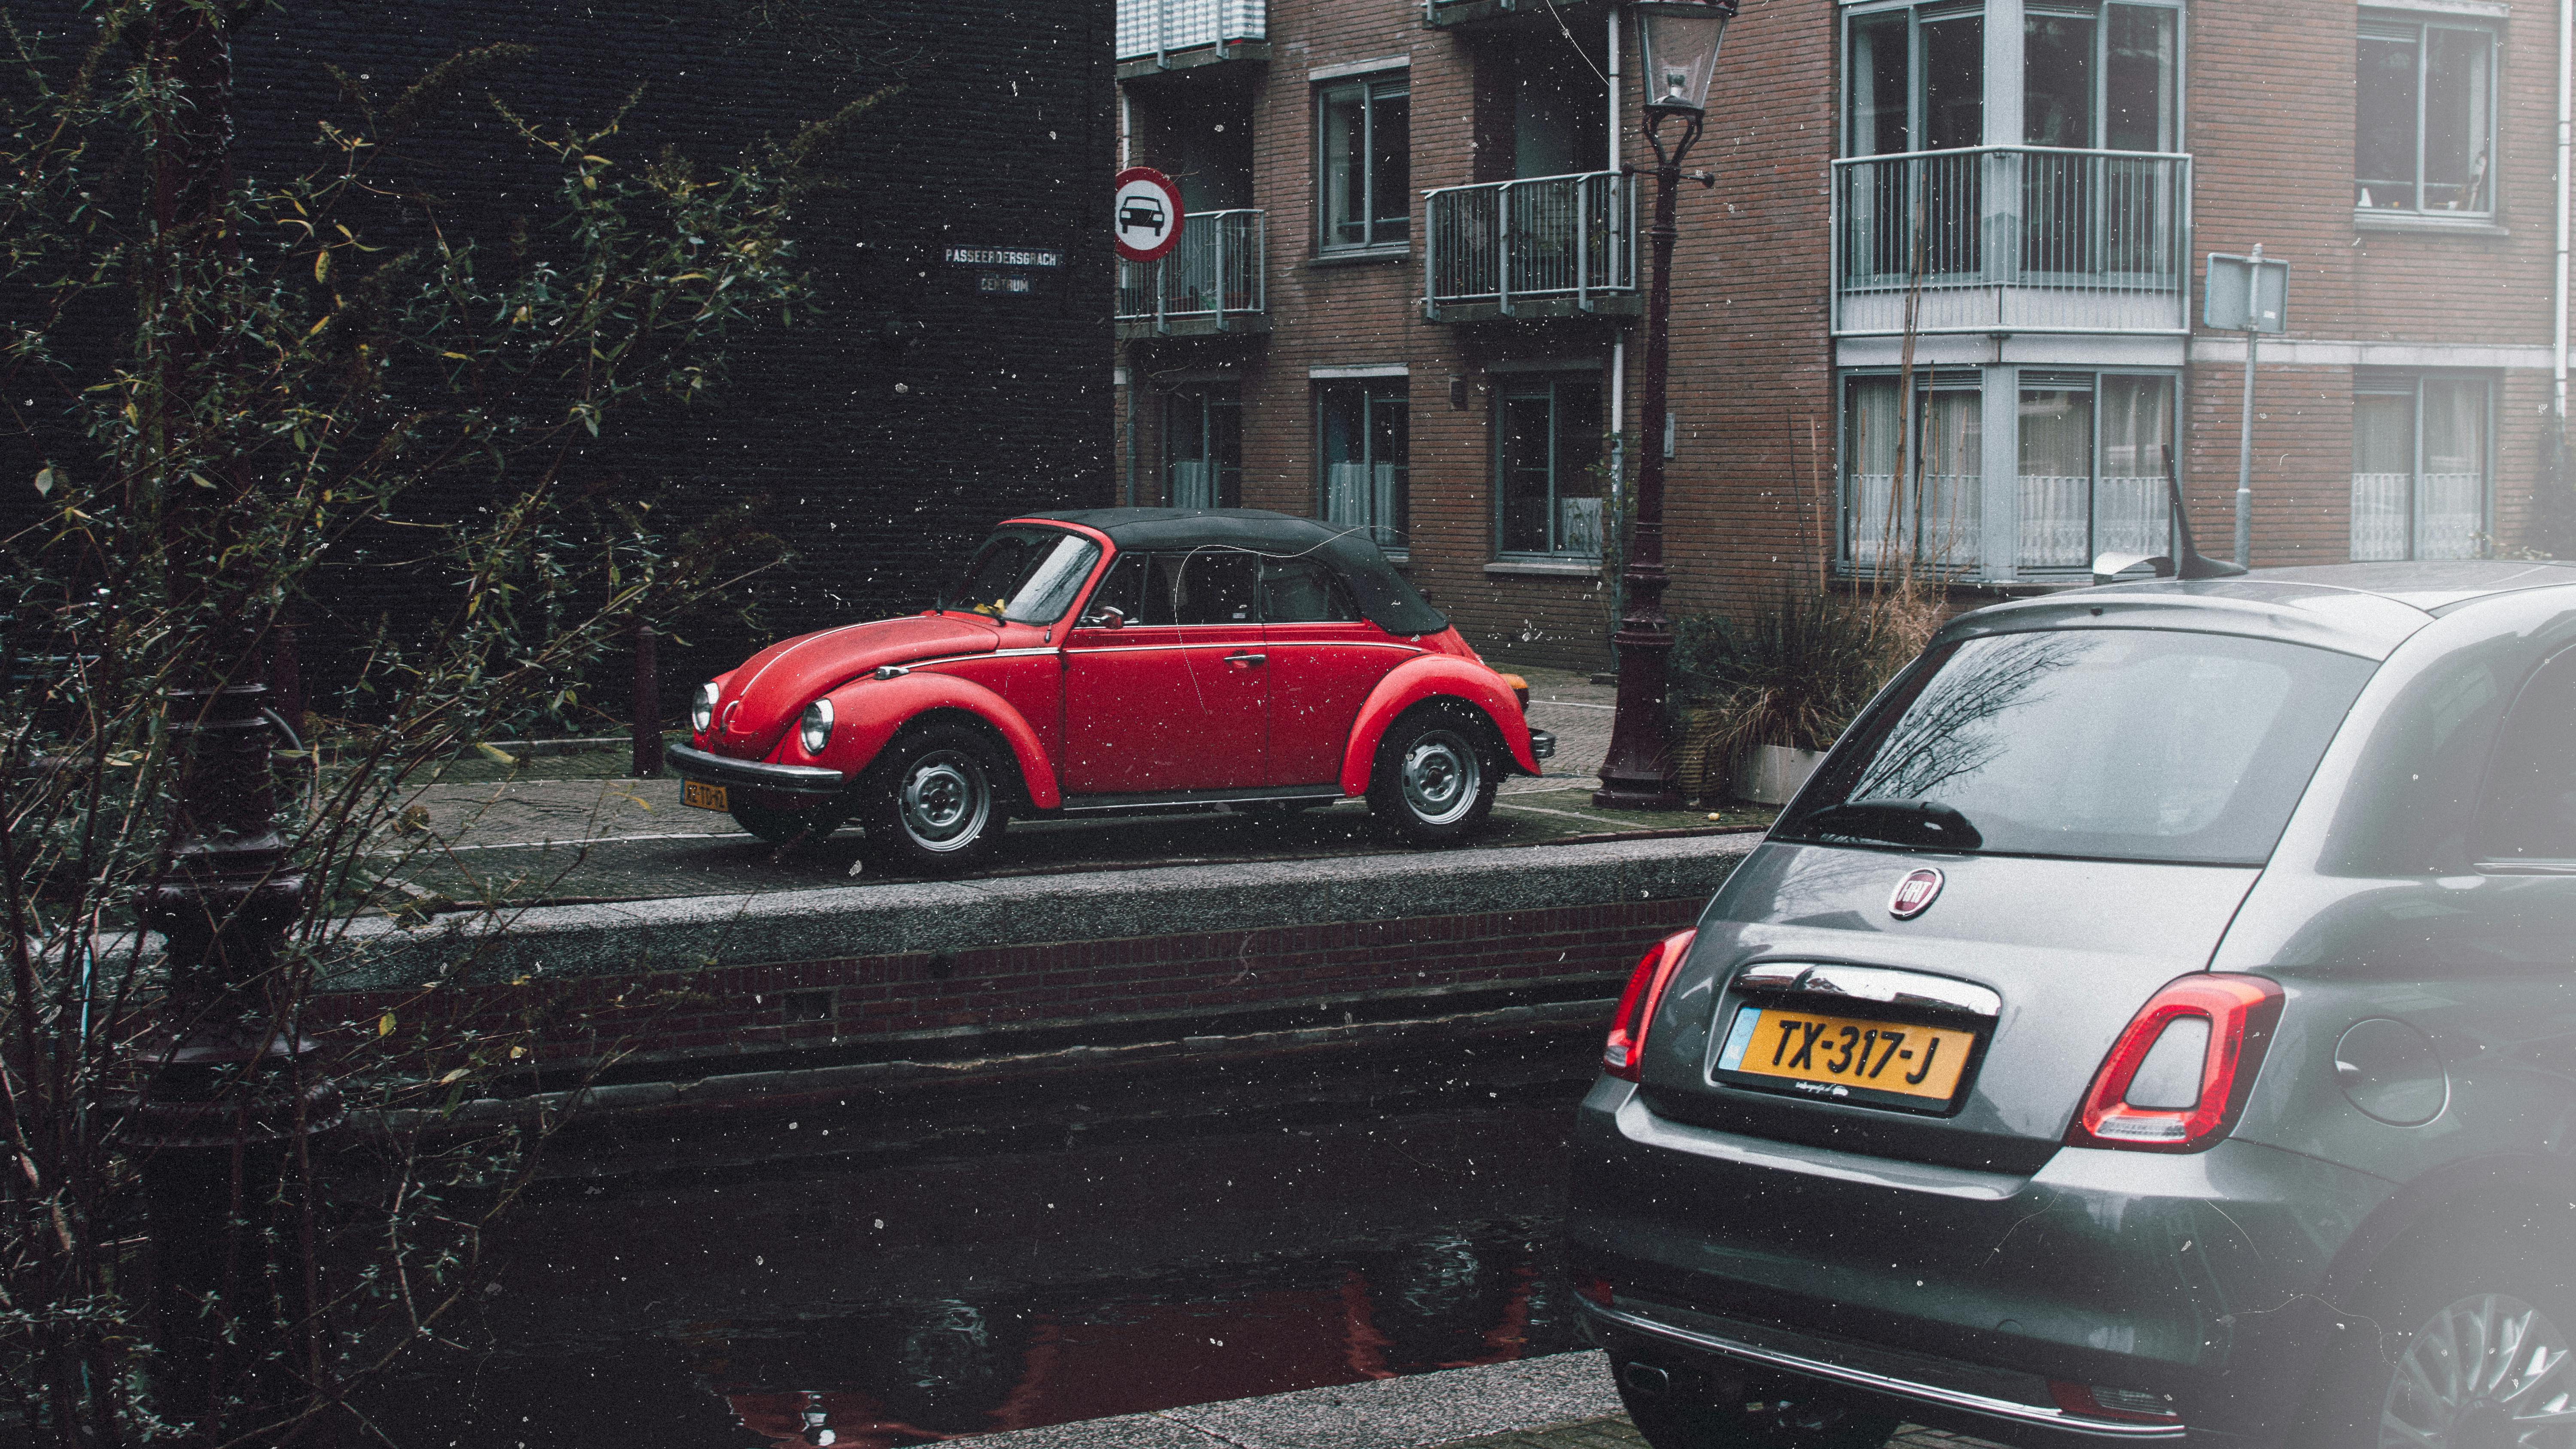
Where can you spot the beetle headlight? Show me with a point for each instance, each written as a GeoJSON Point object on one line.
{"type": "Point", "coordinates": [815, 729]}
{"type": "Point", "coordinates": [702, 707]}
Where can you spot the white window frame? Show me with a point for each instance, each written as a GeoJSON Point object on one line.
{"type": "Point", "coordinates": [1368, 88]}
{"type": "Point", "coordinates": [2411, 385]}
{"type": "Point", "coordinates": [2387, 24]}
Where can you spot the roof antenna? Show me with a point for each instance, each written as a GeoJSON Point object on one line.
{"type": "Point", "coordinates": [2194, 565]}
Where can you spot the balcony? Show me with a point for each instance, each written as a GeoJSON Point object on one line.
{"type": "Point", "coordinates": [1210, 283]}
{"type": "Point", "coordinates": [1549, 246]}
{"type": "Point", "coordinates": [1501, 14]}
{"type": "Point", "coordinates": [2012, 239]}
{"type": "Point", "coordinates": [1155, 36]}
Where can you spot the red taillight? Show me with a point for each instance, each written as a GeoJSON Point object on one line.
{"type": "Point", "coordinates": [1625, 1053]}
{"type": "Point", "coordinates": [2236, 1014]}
{"type": "Point", "coordinates": [2123, 1406]}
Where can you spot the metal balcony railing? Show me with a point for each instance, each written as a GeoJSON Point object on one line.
{"type": "Point", "coordinates": [2012, 239]}
{"type": "Point", "coordinates": [1543, 246]}
{"type": "Point", "coordinates": [1155, 29]}
{"type": "Point", "coordinates": [1210, 282]}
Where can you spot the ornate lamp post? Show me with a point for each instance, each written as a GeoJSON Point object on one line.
{"type": "Point", "coordinates": [1679, 40]}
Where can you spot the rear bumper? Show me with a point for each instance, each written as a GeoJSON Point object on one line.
{"type": "Point", "coordinates": [1542, 744]}
{"type": "Point", "coordinates": [2193, 1277]}
{"type": "Point", "coordinates": [806, 782]}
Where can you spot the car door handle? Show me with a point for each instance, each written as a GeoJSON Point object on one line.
{"type": "Point", "coordinates": [1246, 661]}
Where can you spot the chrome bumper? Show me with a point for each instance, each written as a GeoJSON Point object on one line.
{"type": "Point", "coordinates": [1542, 744]}
{"type": "Point", "coordinates": [807, 780]}
{"type": "Point", "coordinates": [1988, 1393]}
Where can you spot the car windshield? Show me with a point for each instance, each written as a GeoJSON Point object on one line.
{"type": "Point", "coordinates": [2120, 744]}
{"type": "Point", "coordinates": [1025, 575]}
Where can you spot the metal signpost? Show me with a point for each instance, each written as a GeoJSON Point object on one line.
{"type": "Point", "coordinates": [2250, 295]}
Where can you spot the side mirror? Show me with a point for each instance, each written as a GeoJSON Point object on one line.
{"type": "Point", "coordinates": [1107, 616]}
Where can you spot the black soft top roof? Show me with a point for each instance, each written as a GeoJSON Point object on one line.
{"type": "Point", "coordinates": [1384, 595]}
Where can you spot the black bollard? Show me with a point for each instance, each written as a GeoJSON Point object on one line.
{"type": "Point", "coordinates": [648, 706]}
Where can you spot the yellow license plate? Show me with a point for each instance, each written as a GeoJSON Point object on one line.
{"type": "Point", "coordinates": [703, 795]}
{"type": "Point", "coordinates": [1847, 1056]}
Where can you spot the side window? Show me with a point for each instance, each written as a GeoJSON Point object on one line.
{"type": "Point", "coordinates": [2529, 812]}
{"type": "Point", "coordinates": [1129, 589]}
{"type": "Point", "coordinates": [1305, 591]}
{"type": "Point", "coordinates": [1211, 586]}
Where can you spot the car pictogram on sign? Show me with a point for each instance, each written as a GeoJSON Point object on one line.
{"type": "Point", "coordinates": [1142, 211]}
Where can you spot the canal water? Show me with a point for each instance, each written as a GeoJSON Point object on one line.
{"type": "Point", "coordinates": [869, 1302]}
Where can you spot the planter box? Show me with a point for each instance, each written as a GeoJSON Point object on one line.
{"type": "Point", "coordinates": [1771, 774]}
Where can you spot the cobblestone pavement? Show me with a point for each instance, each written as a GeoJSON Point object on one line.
{"type": "Point", "coordinates": [1615, 1432]}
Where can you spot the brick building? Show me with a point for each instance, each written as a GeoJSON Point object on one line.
{"type": "Point", "coordinates": [1410, 292]}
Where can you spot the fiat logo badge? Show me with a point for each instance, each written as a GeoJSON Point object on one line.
{"type": "Point", "coordinates": [1914, 894]}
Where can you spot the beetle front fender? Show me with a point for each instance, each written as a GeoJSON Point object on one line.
{"type": "Point", "coordinates": [869, 711]}
{"type": "Point", "coordinates": [1432, 676]}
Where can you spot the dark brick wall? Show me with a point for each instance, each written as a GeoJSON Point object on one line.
{"type": "Point", "coordinates": [694, 1019]}
{"type": "Point", "coordinates": [904, 409]}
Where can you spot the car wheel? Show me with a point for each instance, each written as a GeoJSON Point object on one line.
{"type": "Point", "coordinates": [933, 801]}
{"type": "Point", "coordinates": [1682, 1419]}
{"type": "Point", "coordinates": [2467, 1350]}
{"type": "Point", "coordinates": [1435, 779]}
{"type": "Point", "coordinates": [785, 827]}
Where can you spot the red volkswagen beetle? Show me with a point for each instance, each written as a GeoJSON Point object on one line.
{"type": "Point", "coordinates": [1117, 659]}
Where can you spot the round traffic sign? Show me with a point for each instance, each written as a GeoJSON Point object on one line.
{"type": "Point", "coordinates": [1147, 219]}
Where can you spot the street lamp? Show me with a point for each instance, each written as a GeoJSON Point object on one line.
{"type": "Point", "coordinates": [1679, 40]}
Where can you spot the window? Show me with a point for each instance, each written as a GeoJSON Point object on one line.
{"type": "Point", "coordinates": [2099, 76]}
{"type": "Point", "coordinates": [2424, 118]}
{"type": "Point", "coordinates": [2530, 810]}
{"type": "Point", "coordinates": [1935, 517]}
{"type": "Point", "coordinates": [1546, 450]}
{"type": "Point", "coordinates": [1917, 80]}
{"type": "Point", "coordinates": [1366, 164]}
{"type": "Point", "coordinates": [1025, 575]}
{"type": "Point", "coordinates": [1202, 586]}
{"type": "Point", "coordinates": [2092, 455]}
{"type": "Point", "coordinates": [1305, 591]}
{"type": "Point", "coordinates": [2117, 744]}
{"type": "Point", "coordinates": [1362, 447]}
{"type": "Point", "coordinates": [2419, 468]}
{"type": "Point", "coordinates": [1203, 446]}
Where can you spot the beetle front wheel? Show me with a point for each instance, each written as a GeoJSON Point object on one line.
{"type": "Point", "coordinates": [932, 802]}
{"type": "Point", "coordinates": [1434, 782]}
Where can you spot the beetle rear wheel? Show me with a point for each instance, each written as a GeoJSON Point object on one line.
{"type": "Point", "coordinates": [932, 801]}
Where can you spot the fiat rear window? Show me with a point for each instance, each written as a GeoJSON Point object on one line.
{"type": "Point", "coordinates": [1025, 575]}
{"type": "Point", "coordinates": [2116, 744]}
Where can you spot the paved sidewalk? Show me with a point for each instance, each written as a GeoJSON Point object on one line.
{"type": "Point", "coordinates": [1562, 1401]}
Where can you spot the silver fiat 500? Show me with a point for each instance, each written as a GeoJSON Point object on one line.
{"type": "Point", "coordinates": [2155, 1020]}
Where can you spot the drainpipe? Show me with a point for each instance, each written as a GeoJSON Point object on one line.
{"type": "Point", "coordinates": [2566, 49]}
{"type": "Point", "coordinates": [1619, 340]}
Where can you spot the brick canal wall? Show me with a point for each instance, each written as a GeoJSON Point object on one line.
{"type": "Point", "coordinates": [1302, 951]}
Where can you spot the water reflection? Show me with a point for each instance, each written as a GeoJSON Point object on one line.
{"type": "Point", "coordinates": [940, 1369]}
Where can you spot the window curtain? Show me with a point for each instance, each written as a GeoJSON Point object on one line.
{"type": "Point", "coordinates": [1936, 517]}
{"type": "Point", "coordinates": [2132, 512]}
{"type": "Point", "coordinates": [2056, 476]}
{"type": "Point", "coordinates": [2383, 474]}
{"type": "Point", "coordinates": [2451, 499]}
